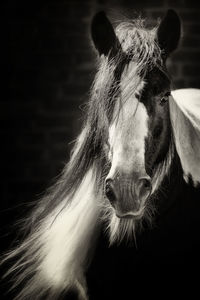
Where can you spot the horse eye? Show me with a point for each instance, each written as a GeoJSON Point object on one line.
{"type": "Point", "coordinates": [165, 98]}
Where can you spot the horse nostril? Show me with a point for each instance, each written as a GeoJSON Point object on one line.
{"type": "Point", "coordinates": [109, 190]}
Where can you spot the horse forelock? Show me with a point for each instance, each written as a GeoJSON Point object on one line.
{"type": "Point", "coordinates": [139, 44]}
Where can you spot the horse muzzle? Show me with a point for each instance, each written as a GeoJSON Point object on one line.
{"type": "Point", "coordinates": [128, 196]}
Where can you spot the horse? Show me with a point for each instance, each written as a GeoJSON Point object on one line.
{"type": "Point", "coordinates": [136, 163]}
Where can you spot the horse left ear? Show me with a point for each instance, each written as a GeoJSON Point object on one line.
{"type": "Point", "coordinates": [169, 32]}
{"type": "Point", "coordinates": [103, 34]}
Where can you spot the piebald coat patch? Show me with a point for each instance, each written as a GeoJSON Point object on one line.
{"type": "Point", "coordinates": [185, 118]}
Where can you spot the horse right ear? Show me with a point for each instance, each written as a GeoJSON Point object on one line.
{"type": "Point", "coordinates": [169, 31]}
{"type": "Point", "coordinates": [103, 34]}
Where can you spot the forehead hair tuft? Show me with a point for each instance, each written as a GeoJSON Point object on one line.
{"type": "Point", "coordinates": [138, 46]}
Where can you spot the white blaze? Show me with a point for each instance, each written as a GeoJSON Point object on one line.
{"type": "Point", "coordinates": [129, 126]}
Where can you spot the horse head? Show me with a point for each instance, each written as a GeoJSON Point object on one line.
{"type": "Point", "coordinates": [139, 130]}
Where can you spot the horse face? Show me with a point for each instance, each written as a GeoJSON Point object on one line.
{"type": "Point", "coordinates": [139, 138]}
{"type": "Point", "coordinates": [139, 132]}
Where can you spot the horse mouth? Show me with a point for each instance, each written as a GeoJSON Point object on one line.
{"type": "Point", "coordinates": [136, 215]}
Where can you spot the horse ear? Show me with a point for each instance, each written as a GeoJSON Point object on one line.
{"type": "Point", "coordinates": [169, 32]}
{"type": "Point", "coordinates": [103, 34]}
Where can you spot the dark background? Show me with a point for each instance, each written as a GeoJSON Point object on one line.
{"type": "Point", "coordinates": [47, 67]}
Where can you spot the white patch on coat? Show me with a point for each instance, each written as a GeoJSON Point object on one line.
{"type": "Point", "coordinates": [185, 119]}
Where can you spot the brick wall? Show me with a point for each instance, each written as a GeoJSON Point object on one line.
{"type": "Point", "coordinates": [47, 66]}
